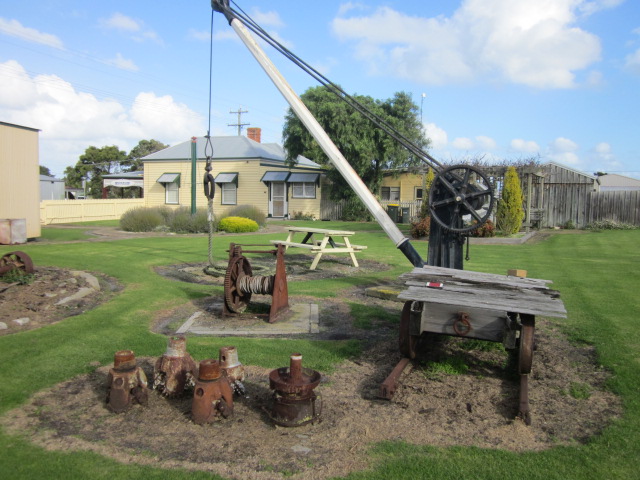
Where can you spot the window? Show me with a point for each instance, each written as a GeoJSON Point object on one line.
{"type": "Point", "coordinates": [390, 193]}
{"type": "Point", "coordinates": [304, 190]}
{"type": "Point", "coordinates": [418, 193]}
{"type": "Point", "coordinates": [229, 193]}
{"type": "Point", "coordinates": [171, 193]}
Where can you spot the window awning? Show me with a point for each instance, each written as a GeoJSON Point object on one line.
{"type": "Point", "coordinates": [275, 176]}
{"type": "Point", "coordinates": [169, 178]}
{"type": "Point", "coordinates": [227, 178]}
{"type": "Point", "coordinates": [303, 177]}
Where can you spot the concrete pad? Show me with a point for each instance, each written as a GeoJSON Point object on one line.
{"type": "Point", "coordinates": [301, 318]}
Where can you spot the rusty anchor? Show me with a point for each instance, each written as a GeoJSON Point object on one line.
{"type": "Point", "coordinates": [212, 395]}
{"type": "Point", "coordinates": [174, 371]}
{"type": "Point", "coordinates": [294, 401]}
{"type": "Point", "coordinates": [16, 261]}
{"type": "Point", "coordinates": [232, 369]}
{"type": "Point", "coordinates": [126, 383]}
{"type": "Point", "coordinates": [239, 284]}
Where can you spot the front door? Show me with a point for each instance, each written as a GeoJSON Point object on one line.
{"type": "Point", "coordinates": [278, 202]}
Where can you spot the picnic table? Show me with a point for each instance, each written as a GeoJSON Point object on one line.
{"type": "Point", "coordinates": [320, 241]}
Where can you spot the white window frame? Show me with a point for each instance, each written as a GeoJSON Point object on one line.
{"type": "Point", "coordinates": [389, 191]}
{"type": "Point", "coordinates": [171, 189]}
{"type": "Point", "coordinates": [303, 190]}
{"type": "Point", "coordinates": [229, 190]}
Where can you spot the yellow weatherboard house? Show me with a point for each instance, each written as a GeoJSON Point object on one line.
{"type": "Point", "coordinates": [245, 172]}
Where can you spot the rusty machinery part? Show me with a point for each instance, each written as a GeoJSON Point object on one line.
{"type": "Point", "coordinates": [16, 261]}
{"type": "Point", "coordinates": [411, 312]}
{"type": "Point", "coordinates": [235, 299]}
{"type": "Point", "coordinates": [461, 191]}
{"type": "Point", "coordinates": [462, 325]}
{"type": "Point", "coordinates": [232, 368]}
{"type": "Point", "coordinates": [175, 371]}
{"type": "Point", "coordinates": [239, 284]}
{"type": "Point", "coordinates": [525, 354]}
{"type": "Point", "coordinates": [126, 383]}
{"type": "Point", "coordinates": [390, 385]}
{"type": "Point", "coordinates": [524, 413]}
{"type": "Point", "coordinates": [294, 401]}
{"type": "Point", "coordinates": [212, 395]}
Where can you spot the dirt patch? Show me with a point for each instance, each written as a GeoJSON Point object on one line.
{"type": "Point", "coordinates": [472, 405]}
{"type": "Point", "coordinates": [297, 267]}
{"type": "Point", "coordinates": [50, 295]}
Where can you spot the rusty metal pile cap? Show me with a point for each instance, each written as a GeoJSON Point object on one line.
{"type": "Point", "coordinates": [209, 370]}
{"type": "Point", "coordinates": [229, 357]}
{"type": "Point", "coordinates": [124, 360]}
{"type": "Point", "coordinates": [176, 347]}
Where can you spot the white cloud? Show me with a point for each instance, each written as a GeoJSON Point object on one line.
{"type": "Point", "coordinates": [118, 21]}
{"type": "Point", "coordinates": [267, 19]}
{"type": "Point", "coordinates": [462, 143]}
{"type": "Point", "coordinates": [437, 135]}
{"type": "Point", "coordinates": [14, 28]}
{"type": "Point", "coordinates": [563, 150]}
{"type": "Point", "coordinates": [529, 42]}
{"type": "Point", "coordinates": [485, 143]}
{"type": "Point", "coordinates": [72, 120]}
{"type": "Point", "coordinates": [125, 24]}
{"type": "Point", "coordinates": [123, 63]}
{"type": "Point", "coordinates": [632, 62]}
{"type": "Point", "coordinates": [524, 146]}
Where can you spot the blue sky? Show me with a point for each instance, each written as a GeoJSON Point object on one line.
{"type": "Point", "coordinates": [556, 80]}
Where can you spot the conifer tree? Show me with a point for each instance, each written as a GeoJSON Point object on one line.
{"type": "Point", "coordinates": [510, 214]}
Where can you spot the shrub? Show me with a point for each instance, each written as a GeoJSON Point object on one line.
{"type": "Point", "coordinates": [486, 230]}
{"type": "Point", "coordinates": [355, 211]}
{"type": "Point", "coordinates": [302, 216]}
{"type": "Point", "coordinates": [141, 219]}
{"type": "Point", "coordinates": [510, 214]}
{"type": "Point", "coordinates": [183, 222]}
{"type": "Point", "coordinates": [569, 225]}
{"type": "Point", "coordinates": [248, 211]}
{"type": "Point", "coordinates": [238, 225]}
{"type": "Point", "coordinates": [421, 228]}
{"type": "Point", "coordinates": [610, 225]}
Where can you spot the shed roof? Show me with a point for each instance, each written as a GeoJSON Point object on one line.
{"type": "Point", "coordinates": [228, 148]}
{"type": "Point", "coordinates": [620, 182]}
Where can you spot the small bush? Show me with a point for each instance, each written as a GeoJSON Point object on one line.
{"type": "Point", "coordinates": [485, 231]}
{"type": "Point", "coordinates": [569, 225]}
{"type": "Point", "coordinates": [302, 216]}
{"type": "Point", "coordinates": [141, 219]}
{"type": "Point", "coordinates": [183, 222]}
{"type": "Point", "coordinates": [238, 225]}
{"type": "Point", "coordinates": [421, 228]}
{"type": "Point", "coordinates": [18, 276]}
{"type": "Point", "coordinates": [248, 211]}
{"type": "Point", "coordinates": [610, 225]}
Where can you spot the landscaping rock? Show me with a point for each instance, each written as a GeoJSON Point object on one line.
{"type": "Point", "coordinates": [21, 321]}
{"type": "Point", "coordinates": [3, 326]}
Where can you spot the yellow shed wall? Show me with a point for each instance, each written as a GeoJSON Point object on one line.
{"type": "Point", "coordinates": [20, 177]}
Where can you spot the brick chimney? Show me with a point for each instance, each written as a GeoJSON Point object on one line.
{"type": "Point", "coordinates": [254, 133]}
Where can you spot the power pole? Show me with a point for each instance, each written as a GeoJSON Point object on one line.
{"type": "Point", "coordinates": [239, 112]}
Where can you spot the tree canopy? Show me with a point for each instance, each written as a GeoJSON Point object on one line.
{"type": "Point", "coordinates": [45, 171]}
{"type": "Point", "coordinates": [367, 148]}
{"type": "Point", "coordinates": [96, 162]}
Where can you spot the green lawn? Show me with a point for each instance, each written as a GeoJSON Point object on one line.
{"type": "Point", "coordinates": [596, 273]}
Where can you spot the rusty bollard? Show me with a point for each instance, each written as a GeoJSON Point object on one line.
{"type": "Point", "coordinates": [212, 396]}
{"type": "Point", "coordinates": [126, 383]}
{"type": "Point", "coordinates": [174, 371]}
{"type": "Point", "coordinates": [232, 368]}
{"type": "Point", "coordinates": [294, 401]}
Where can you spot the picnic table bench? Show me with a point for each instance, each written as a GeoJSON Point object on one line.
{"type": "Point", "coordinates": [324, 243]}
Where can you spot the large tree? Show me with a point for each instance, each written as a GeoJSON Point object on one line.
{"type": "Point", "coordinates": [94, 163]}
{"type": "Point", "coordinates": [366, 147]}
{"type": "Point", "coordinates": [133, 162]}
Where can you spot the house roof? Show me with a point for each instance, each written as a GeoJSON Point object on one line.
{"type": "Point", "coordinates": [47, 178]}
{"type": "Point", "coordinates": [620, 182]}
{"type": "Point", "coordinates": [228, 148]}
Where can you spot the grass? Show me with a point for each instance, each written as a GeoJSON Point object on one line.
{"type": "Point", "coordinates": [58, 234]}
{"type": "Point", "coordinates": [597, 274]}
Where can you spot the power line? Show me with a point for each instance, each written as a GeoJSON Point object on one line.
{"type": "Point", "coordinates": [239, 112]}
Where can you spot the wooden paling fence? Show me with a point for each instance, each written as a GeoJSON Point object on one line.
{"type": "Point", "coordinates": [619, 206]}
{"type": "Point", "coordinates": [334, 210]}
